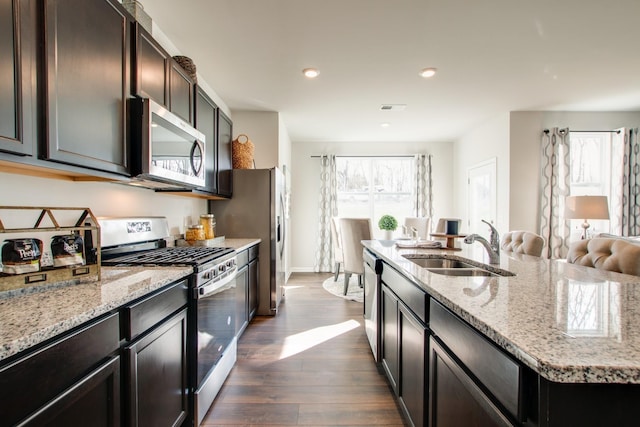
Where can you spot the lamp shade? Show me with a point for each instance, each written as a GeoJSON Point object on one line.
{"type": "Point", "coordinates": [586, 207]}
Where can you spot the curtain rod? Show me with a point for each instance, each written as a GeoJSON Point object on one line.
{"type": "Point", "coordinates": [382, 155]}
{"type": "Point", "coordinates": [589, 131]}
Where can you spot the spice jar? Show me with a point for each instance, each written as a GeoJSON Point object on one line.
{"type": "Point", "coordinates": [208, 222]}
{"type": "Point", "coordinates": [194, 232]}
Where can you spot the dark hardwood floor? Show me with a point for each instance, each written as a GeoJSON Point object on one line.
{"type": "Point", "coordinates": [309, 365]}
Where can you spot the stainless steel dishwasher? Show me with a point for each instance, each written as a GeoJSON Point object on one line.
{"type": "Point", "coordinates": [372, 302]}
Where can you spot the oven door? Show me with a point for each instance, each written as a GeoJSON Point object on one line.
{"type": "Point", "coordinates": [214, 343]}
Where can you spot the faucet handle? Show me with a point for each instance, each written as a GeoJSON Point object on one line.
{"type": "Point", "coordinates": [494, 238]}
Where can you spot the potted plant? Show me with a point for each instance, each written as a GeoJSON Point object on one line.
{"type": "Point", "coordinates": [388, 223]}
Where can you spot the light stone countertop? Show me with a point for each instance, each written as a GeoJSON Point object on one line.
{"type": "Point", "coordinates": [36, 314]}
{"type": "Point", "coordinates": [567, 322]}
{"type": "Point", "coordinates": [238, 244]}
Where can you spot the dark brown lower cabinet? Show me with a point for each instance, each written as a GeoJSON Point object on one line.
{"type": "Point", "coordinates": [74, 380]}
{"type": "Point", "coordinates": [404, 356]}
{"type": "Point", "coordinates": [94, 400]}
{"type": "Point", "coordinates": [455, 399]}
{"type": "Point", "coordinates": [156, 375]}
{"type": "Point", "coordinates": [254, 280]}
{"type": "Point", "coordinates": [413, 358]}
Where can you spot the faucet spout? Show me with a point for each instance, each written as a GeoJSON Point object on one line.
{"type": "Point", "coordinates": [493, 247]}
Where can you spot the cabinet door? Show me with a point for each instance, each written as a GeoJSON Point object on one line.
{"type": "Point", "coordinates": [180, 92]}
{"type": "Point", "coordinates": [151, 68]}
{"type": "Point", "coordinates": [242, 302]}
{"type": "Point", "coordinates": [225, 165]}
{"type": "Point", "coordinates": [87, 68]}
{"type": "Point", "coordinates": [156, 375]}
{"type": "Point", "coordinates": [94, 400]}
{"type": "Point", "coordinates": [18, 130]}
{"type": "Point", "coordinates": [253, 287]}
{"type": "Point", "coordinates": [390, 350]}
{"type": "Point", "coordinates": [206, 111]}
{"type": "Point", "coordinates": [455, 400]}
{"type": "Point", "coordinates": [42, 375]}
{"type": "Point", "coordinates": [413, 359]}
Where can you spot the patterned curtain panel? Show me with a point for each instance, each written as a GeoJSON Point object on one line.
{"type": "Point", "coordinates": [328, 209]}
{"type": "Point", "coordinates": [555, 164]}
{"type": "Point", "coordinates": [616, 194]}
{"type": "Point", "coordinates": [424, 186]}
{"type": "Point", "coordinates": [631, 185]}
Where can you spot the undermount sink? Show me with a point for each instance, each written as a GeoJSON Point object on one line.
{"type": "Point", "coordinates": [439, 263]}
{"type": "Point", "coordinates": [462, 272]}
{"type": "Point", "coordinates": [453, 267]}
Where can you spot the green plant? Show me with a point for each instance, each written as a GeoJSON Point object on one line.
{"type": "Point", "coordinates": [387, 222]}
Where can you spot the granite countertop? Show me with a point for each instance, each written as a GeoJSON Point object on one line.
{"type": "Point", "coordinates": [33, 315]}
{"type": "Point", "coordinates": [238, 244]}
{"type": "Point", "coordinates": [567, 322]}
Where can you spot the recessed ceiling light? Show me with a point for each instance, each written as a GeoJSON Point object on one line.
{"type": "Point", "coordinates": [427, 72]}
{"type": "Point", "coordinates": [311, 73]}
{"type": "Point", "coordinates": [385, 125]}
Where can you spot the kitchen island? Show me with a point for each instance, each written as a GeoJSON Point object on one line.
{"type": "Point", "coordinates": [567, 333]}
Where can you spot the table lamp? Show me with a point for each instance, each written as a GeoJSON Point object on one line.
{"type": "Point", "coordinates": [586, 207]}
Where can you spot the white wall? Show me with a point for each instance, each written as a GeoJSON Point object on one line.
{"type": "Point", "coordinates": [526, 129]}
{"type": "Point", "coordinates": [305, 187]}
{"type": "Point", "coordinates": [262, 129]}
{"type": "Point", "coordinates": [104, 199]}
{"type": "Point", "coordinates": [486, 141]}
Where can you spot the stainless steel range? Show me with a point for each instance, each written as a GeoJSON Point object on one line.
{"type": "Point", "coordinates": [211, 337]}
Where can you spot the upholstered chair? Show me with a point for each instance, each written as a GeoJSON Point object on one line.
{"type": "Point", "coordinates": [522, 242]}
{"type": "Point", "coordinates": [421, 224]}
{"type": "Point", "coordinates": [606, 254]}
{"type": "Point", "coordinates": [352, 232]}
{"type": "Point", "coordinates": [337, 245]}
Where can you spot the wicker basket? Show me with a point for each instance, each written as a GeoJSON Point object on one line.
{"type": "Point", "coordinates": [187, 64]}
{"type": "Point", "coordinates": [242, 152]}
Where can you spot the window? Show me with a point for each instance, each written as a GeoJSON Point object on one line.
{"type": "Point", "coordinates": [591, 172]}
{"type": "Point", "coordinates": [369, 187]}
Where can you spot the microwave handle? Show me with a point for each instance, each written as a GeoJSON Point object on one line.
{"type": "Point", "coordinates": [196, 146]}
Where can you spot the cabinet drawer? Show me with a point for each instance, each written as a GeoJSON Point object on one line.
{"type": "Point", "coordinates": [242, 258]}
{"type": "Point", "coordinates": [144, 314]}
{"type": "Point", "coordinates": [501, 375]}
{"type": "Point", "coordinates": [32, 381]}
{"type": "Point", "coordinates": [253, 252]}
{"type": "Point", "coordinates": [409, 293]}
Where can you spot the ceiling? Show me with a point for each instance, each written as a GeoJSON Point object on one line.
{"type": "Point", "coordinates": [492, 56]}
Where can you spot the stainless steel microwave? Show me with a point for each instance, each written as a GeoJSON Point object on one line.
{"type": "Point", "coordinates": [167, 152]}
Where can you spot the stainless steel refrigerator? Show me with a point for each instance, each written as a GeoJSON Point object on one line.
{"type": "Point", "coordinates": [256, 209]}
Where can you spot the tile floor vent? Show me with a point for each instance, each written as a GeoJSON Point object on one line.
{"type": "Point", "coordinates": [393, 107]}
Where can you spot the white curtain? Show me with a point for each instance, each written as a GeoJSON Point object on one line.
{"type": "Point", "coordinates": [424, 186]}
{"type": "Point", "coordinates": [616, 193]}
{"type": "Point", "coordinates": [631, 185]}
{"type": "Point", "coordinates": [555, 162]}
{"type": "Point", "coordinates": [327, 209]}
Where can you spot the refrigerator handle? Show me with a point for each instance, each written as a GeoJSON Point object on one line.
{"type": "Point", "coordinates": [278, 228]}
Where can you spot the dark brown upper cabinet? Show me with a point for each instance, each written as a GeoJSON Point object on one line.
{"type": "Point", "coordinates": [18, 114]}
{"type": "Point", "coordinates": [205, 120]}
{"type": "Point", "coordinates": [151, 65]}
{"type": "Point", "coordinates": [180, 92]}
{"type": "Point", "coordinates": [87, 51]}
{"type": "Point", "coordinates": [224, 160]}
{"type": "Point", "coordinates": [159, 77]}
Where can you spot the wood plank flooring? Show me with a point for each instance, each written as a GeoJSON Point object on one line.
{"type": "Point", "coordinates": [310, 365]}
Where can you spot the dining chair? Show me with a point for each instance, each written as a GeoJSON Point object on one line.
{"type": "Point", "coordinates": [352, 232]}
{"type": "Point", "coordinates": [421, 224]}
{"type": "Point", "coordinates": [337, 245]}
{"type": "Point", "coordinates": [606, 254]}
{"type": "Point", "coordinates": [522, 242]}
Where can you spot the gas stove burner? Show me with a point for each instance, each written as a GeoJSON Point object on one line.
{"type": "Point", "coordinates": [171, 256]}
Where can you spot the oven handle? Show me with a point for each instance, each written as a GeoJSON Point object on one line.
{"type": "Point", "coordinates": [220, 285]}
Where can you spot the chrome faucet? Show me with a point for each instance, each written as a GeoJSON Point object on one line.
{"type": "Point", "coordinates": [493, 247]}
